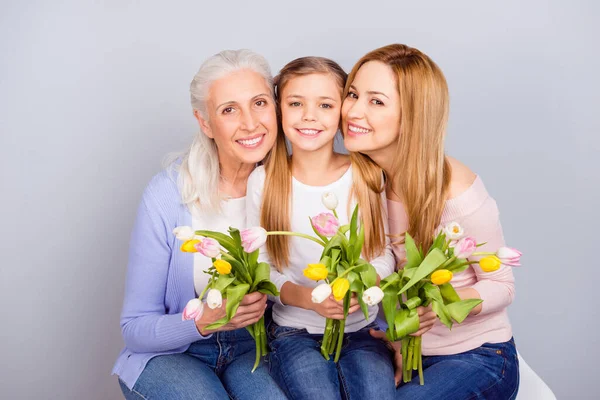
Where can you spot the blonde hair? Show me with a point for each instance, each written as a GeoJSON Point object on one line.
{"type": "Point", "coordinates": [421, 172]}
{"type": "Point", "coordinates": [199, 171]}
{"type": "Point", "coordinates": [276, 204]}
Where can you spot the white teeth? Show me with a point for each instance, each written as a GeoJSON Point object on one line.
{"type": "Point", "coordinates": [356, 129]}
{"type": "Point", "coordinates": [308, 131]}
{"type": "Point", "coordinates": [250, 142]}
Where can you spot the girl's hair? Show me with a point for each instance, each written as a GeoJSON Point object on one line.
{"type": "Point", "coordinates": [198, 167]}
{"type": "Point", "coordinates": [276, 204]}
{"type": "Point", "coordinates": [421, 172]}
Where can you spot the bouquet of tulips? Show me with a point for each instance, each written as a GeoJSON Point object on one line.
{"type": "Point", "coordinates": [426, 280]}
{"type": "Point", "coordinates": [235, 271]}
{"type": "Point", "coordinates": [342, 270]}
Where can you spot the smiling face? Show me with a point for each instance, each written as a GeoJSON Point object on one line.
{"type": "Point", "coordinates": [310, 111]}
{"type": "Point", "coordinates": [371, 111]}
{"type": "Point", "coordinates": [241, 117]}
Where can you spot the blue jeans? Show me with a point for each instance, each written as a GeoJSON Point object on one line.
{"type": "Point", "coordinates": [487, 372]}
{"type": "Point", "coordinates": [214, 368]}
{"type": "Point", "coordinates": [364, 370]}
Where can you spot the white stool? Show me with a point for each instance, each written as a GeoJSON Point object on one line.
{"type": "Point", "coordinates": [531, 386]}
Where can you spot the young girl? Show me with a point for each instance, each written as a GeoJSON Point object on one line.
{"type": "Point", "coordinates": [395, 111]}
{"type": "Point", "coordinates": [282, 195]}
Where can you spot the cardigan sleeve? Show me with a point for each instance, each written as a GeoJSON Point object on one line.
{"type": "Point", "coordinates": [146, 324]}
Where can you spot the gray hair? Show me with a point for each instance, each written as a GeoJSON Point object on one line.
{"type": "Point", "coordinates": [199, 172]}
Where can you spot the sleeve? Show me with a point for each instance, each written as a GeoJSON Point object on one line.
{"type": "Point", "coordinates": [145, 324]}
{"type": "Point", "coordinates": [385, 264]}
{"type": "Point", "coordinates": [254, 191]}
{"type": "Point", "coordinates": [497, 289]}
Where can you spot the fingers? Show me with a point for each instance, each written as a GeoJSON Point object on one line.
{"type": "Point", "coordinates": [397, 368]}
{"type": "Point", "coordinates": [353, 309]}
{"type": "Point", "coordinates": [378, 334]}
{"type": "Point", "coordinates": [254, 297]}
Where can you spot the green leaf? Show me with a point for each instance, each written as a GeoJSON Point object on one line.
{"type": "Point", "coordinates": [217, 324]}
{"type": "Point", "coordinates": [268, 287]}
{"type": "Point", "coordinates": [432, 261]}
{"type": "Point", "coordinates": [448, 293]}
{"type": "Point", "coordinates": [354, 224]}
{"type": "Point", "coordinates": [393, 277]}
{"type": "Point", "coordinates": [442, 313]}
{"type": "Point", "coordinates": [460, 310]}
{"type": "Point", "coordinates": [235, 295]}
{"type": "Point", "coordinates": [406, 322]}
{"type": "Point", "coordinates": [413, 255]}
{"type": "Point", "coordinates": [363, 305]}
{"type": "Point", "coordinates": [432, 292]}
{"type": "Point", "coordinates": [412, 303]}
{"type": "Point", "coordinates": [369, 277]}
{"type": "Point", "coordinates": [389, 302]}
{"type": "Point", "coordinates": [252, 260]}
{"type": "Point", "coordinates": [223, 281]}
{"type": "Point", "coordinates": [262, 273]}
{"type": "Point", "coordinates": [326, 261]}
{"type": "Point", "coordinates": [360, 240]}
{"type": "Point", "coordinates": [239, 267]}
{"type": "Point", "coordinates": [352, 277]}
{"type": "Point", "coordinates": [439, 242]}
{"type": "Point", "coordinates": [235, 235]}
{"type": "Point", "coordinates": [344, 228]}
{"type": "Point", "coordinates": [335, 255]}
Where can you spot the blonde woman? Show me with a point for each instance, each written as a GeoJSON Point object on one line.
{"type": "Point", "coordinates": [395, 113]}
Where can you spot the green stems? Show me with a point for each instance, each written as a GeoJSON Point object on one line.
{"type": "Point", "coordinates": [302, 235]}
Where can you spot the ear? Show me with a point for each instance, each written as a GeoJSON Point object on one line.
{"type": "Point", "coordinates": [204, 125]}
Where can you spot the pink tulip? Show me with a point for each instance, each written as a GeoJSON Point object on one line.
{"type": "Point", "coordinates": [326, 224]}
{"type": "Point", "coordinates": [465, 247]}
{"type": "Point", "coordinates": [208, 247]}
{"type": "Point", "coordinates": [193, 310]}
{"type": "Point", "coordinates": [509, 256]}
{"type": "Point", "coordinates": [253, 238]}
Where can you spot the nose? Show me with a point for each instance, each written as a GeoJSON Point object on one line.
{"type": "Point", "coordinates": [308, 115]}
{"type": "Point", "coordinates": [355, 110]}
{"type": "Point", "coordinates": [249, 121]}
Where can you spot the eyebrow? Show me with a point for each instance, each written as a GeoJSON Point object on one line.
{"type": "Point", "coordinates": [228, 103]}
{"type": "Point", "coordinates": [301, 97]}
{"type": "Point", "coordinates": [370, 91]}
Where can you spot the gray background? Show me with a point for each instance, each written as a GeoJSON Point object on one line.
{"type": "Point", "coordinates": [94, 94]}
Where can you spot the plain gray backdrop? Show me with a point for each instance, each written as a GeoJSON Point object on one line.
{"type": "Point", "coordinates": [94, 94]}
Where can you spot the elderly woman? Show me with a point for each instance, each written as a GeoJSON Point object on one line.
{"type": "Point", "coordinates": [164, 356]}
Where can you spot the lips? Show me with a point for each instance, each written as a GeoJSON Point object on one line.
{"type": "Point", "coordinates": [251, 142]}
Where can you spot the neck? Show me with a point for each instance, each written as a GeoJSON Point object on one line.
{"type": "Point", "coordinates": [385, 159]}
{"type": "Point", "coordinates": [234, 177]}
{"type": "Point", "coordinates": [305, 163]}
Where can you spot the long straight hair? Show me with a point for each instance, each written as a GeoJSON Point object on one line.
{"type": "Point", "coordinates": [276, 205]}
{"type": "Point", "coordinates": [420, 172]}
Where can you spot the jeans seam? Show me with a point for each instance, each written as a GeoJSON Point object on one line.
{"type": "Point", "coordinates": [139, 394]}
{"type": "Point", "coordinates": [495, 383]}
{"type": "Point", "coordinates": [343, 384]}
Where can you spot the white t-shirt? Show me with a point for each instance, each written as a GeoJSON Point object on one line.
{"type": "Point", "coordinates": [234, 215]}
{"type": "Point", "coordinates": [306, 202]}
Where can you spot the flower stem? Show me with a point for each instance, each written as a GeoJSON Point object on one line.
{"type": "Point", "coordinates": [257, 340]}
{"type": "Point", "coordinates": [335, 214]}
{"type": "Point", "coordinates": [302, 235]}
{"type": "Point", "coordinates": [345, 273]}
{"type": "Point", "coordinates": [340, 339]}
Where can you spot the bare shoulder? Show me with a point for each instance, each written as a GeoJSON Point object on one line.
{"type": "Point", "coordinates": [462, 178]}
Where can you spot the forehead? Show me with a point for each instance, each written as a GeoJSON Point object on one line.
{"type": "Point", "coordinates": [313, 85]}
{"type": "Point", "coordinates": [375, 76]}
{"type": "Point", "coordinates": [239, 86]}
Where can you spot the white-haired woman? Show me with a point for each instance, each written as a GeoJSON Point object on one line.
{"type": "Point", "coordinates": [165, 357]}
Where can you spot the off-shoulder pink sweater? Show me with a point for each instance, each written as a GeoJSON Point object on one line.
{"type": "Point", "coordinates": [478, 214]}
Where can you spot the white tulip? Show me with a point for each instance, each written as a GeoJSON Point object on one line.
{"type": "Point", "coordinates": [320, 293]}
{"type": "Point", "coordinates": [329, 200]}
{"type": "Point", "coordinates": [373, 296]}
{"type": "Point", "coordinates": [214, 299]}
{"type": "Point", "coordinates": [454, 231]}
{"type": "Point", "coordinates": [184, 233]}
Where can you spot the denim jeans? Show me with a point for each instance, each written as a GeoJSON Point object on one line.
{"type": "Point", "coordinates": [364, 370]}
{"type": "Point", "coordinates": [214, 368]}
{"type": "Point", "coordinates": [487, 372]}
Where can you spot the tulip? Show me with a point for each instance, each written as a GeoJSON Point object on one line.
{"type": "Point", "coordinates": [253, 238]}
{"type": "Point", "coordinates": [193, 310]}
{"type": "Point", "coordinates": [339, 288]}
{"type": "Point", "coordinates": [214, 299]}
{"type": "Point", "coordinates": [329, 200]}
{"type": "Point", "coordinates": [326, 224]}
{"type": "Point", "coordinates": [316, 272]}
{"type": "Point", "coordinates": [465, 247]}
{"type": "Point", "coordinates": [441, 276]}
{"type": "Point", "coordinates": [222, 266]}
{"type": "Point", "coordinates": [454, 231]}
{"type": "Point", "coordinates": [490, 263]}
{"type": "Point", "coordinates": [509, 256]}
{"type": "Point", "coordinates": [184, 233]}
{"type": "Point", "coordinates": [372, 296]}
{"type": "Point", "coordinates": [190, 246]}
{"type": "Point", "coordinates": [320, 293]}
{"type": "Point", "coordinates": [208, 247]}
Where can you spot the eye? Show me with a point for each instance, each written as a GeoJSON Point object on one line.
{"type": "Point", "coordinates": [325, 105]}
{"type": "Point", "coordinates": [261, 103]}
{"type": "Point", "coordinates": [352, 95]}
{"type": "Point", "coordinates": [377, 102]}
{"type": "Point", "coordinates": [295, 104]}
{"type": "Point", "coordinates": [227, 110]}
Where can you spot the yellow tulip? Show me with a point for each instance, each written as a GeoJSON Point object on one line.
{"type": "Point", "coordinates": [440, 277]}
{"type": "Point", "coordinates": [222, 266]}
{"type": "Point", "coordinates": [340, 288]}
{"type": "Point", "coordinates": [316, 272]}
{"type": "Point", "coordinates": [189, 246]}
{"type": "Point", "coordinates": [490, 263]}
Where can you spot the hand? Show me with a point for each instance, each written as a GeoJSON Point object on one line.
{"type": "Point", "coordinates": [394, 347]}
{"type": "Point", "coordinates": [329, 308]}
{"type": "Point", "coordinates": [251, 309]}
{"type": "Point", "coordinates": [427, 319]}
{"type": "Point", "coordinates": [354, 306]}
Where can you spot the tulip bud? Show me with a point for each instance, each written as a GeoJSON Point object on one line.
{"type": "Point", "coordinates": [253, 238]}
{"type": "Point", "coordinates": [316, 272]}
{"type": "Point", "coordinates": [329, 200]}
{"type": "Point", "coordinates": [465, 247]}
{"type": "Point", "coordinates": [320, 293]}
{"type": "Point", "coordinates": [441, 276]}
{"type": "Point", "coordinates": [509, 256]}
{"type": "Point", "coordinates": [193, 310]}
{"type": "Point", "coordinates": [222, 266]}
{"type": "Point", "coordinates": [340, 288]}
{"type": "Point", "coordinates": [214, 299]}
{"type": "Point", "coordinates": [190, 246]}
{"type": "Point", "coordinates": [184, 233]}
{"type": "Point", "coordinates": [490, 263]}
{"type": "Point", "coordinates": [326, 224]}
{"type": "Point", "coordinates": [208, 247]}
{"type": "Point", "coordinates": [372, 296]}
{"type": "Point", "coordinates": [453, 231]}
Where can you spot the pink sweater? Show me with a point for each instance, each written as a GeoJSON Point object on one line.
{"type": "Point", "coordinates": [478, 214]}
